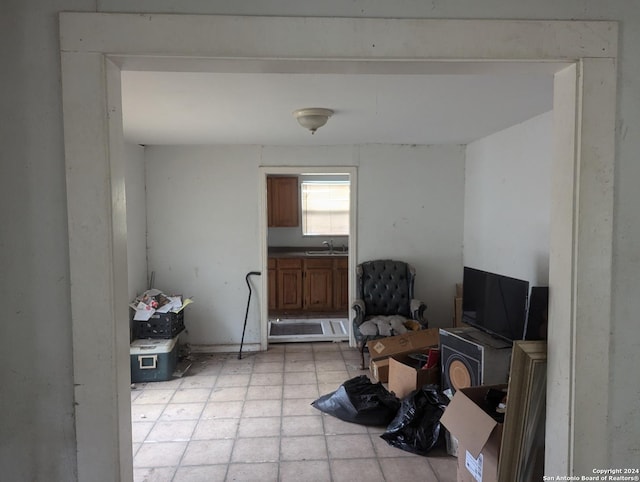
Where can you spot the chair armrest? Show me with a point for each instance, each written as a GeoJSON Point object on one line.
{"type": "Point", "coordinates": [358, 307]}
{"type": "Point", "coordinates": [418, 308]}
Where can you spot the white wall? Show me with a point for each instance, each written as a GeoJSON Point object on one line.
{"type": "Point", "coordinates": [507, 205]}
{"type": "Point", "coordinates": [292, 237]}
{"type": "Point", "coordinates": [203, 227]}
{"type": "Point", "coordinates": [410, 207]}
{"type": "Point", "coordinates": [136, 219]}
{"type": "Point", "coordinates": [203, 223]}
{"type": "Point", "coordinates": [38, 437]}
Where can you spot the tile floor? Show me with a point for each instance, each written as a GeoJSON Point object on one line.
{"type": "Point", "coordinates": [252, 420]}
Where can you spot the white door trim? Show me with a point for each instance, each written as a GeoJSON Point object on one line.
{"type": "Point", "coordinates": [353, 234]}
{"type": "Point", "coordinates": [94, 46]}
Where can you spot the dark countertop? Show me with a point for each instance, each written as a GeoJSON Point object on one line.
{"type": "Point", "coordinates": [298, 252]}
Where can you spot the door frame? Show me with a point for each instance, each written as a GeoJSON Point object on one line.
{"type": "Point", "coordinates": [352, 171]}
{"type": "Point", "coordinates": [96, 46]}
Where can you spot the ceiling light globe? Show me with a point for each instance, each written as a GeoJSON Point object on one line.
{"type": "Point", "coordinates": [312, 118]}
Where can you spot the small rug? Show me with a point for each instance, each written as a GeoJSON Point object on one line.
{"type": "Point", "coordinates": [292, 329]}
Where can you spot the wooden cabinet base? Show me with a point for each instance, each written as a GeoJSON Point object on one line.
{"type": "Point", "coordinates": [307, 286]}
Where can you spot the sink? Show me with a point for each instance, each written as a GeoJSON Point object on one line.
{"type": "Point", "coordinates": [326, 252]}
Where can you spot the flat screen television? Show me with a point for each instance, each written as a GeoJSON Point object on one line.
{"type": "Point", "coordinates": [495, 303]}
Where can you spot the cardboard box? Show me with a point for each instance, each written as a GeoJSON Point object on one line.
{"type": "Point", "coordinates": [406, 343]}
{"type": "Point", "coordinates": [405, 377]}
{"type": "Point", "coordinates": [479, 434]}
{"type": "Point", "coordinates": [379, 370]}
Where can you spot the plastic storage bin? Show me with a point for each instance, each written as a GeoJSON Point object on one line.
{"type": "Point", "coordinates": [160, 325]}
{"type": "Point", "coordinates": [153, 360]}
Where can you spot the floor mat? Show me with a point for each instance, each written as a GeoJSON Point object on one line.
{"type": "Point", "coordinates": [291, 329]}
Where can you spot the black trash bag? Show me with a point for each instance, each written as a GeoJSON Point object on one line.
{"type": "Point", "coordinates": [360, 401]}
{"type": "Point", "coordinates": [416, 426]}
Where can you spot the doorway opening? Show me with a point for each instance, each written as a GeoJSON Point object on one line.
{"type": "Point", "coordinates": [308, 233]}
{"type": "Point", "coordinates": [93, 142]}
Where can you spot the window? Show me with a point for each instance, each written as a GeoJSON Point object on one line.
{"type": "Point", "coordinates": [325, 208]}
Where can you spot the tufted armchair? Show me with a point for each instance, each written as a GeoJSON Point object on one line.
{"type": "Point", "coordinates": [384, 288]}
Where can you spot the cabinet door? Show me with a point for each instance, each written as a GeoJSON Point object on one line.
{"type": "Point", "coordinates": [273, 284]}
{"type": "Point", "coordinates": [289, 284]}
{"type": "Point", "coordinates": [341, 285]}
{"type": "Point", "coordinates": [318, 284]}
{"type": "Point", "coordinates": [283, 201]}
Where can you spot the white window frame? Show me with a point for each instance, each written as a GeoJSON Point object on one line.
{"type": "Point", "coordinates": [304, 201]}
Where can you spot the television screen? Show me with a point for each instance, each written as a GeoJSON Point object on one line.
{"type": "Point", "coordinates": [495, 303]}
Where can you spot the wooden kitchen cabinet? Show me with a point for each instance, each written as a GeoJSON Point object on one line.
{"type": "Point", "coordinates": [308, 285]}
{"type": "Point", "coordinates": [341, 285]}
{"type": "Point", "coordinates": [283, 201]}
{"type": "Point", "coordinates": [289, 284]}
{"type": "Point", "coordinates": [318, 284]}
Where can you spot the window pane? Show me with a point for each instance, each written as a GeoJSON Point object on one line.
{"type": "Point", "coordinates": [325, 208]}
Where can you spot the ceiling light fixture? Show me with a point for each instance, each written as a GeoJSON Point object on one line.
{"type": "Point", "coordinates": [312, 118]}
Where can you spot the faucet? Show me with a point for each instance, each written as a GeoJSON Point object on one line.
{"type": "Point", "coordinates": [329, 244]}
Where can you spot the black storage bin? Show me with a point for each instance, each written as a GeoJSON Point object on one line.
{"type": "Point", "coordinates": [160, 325]}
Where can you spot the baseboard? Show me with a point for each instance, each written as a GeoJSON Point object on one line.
{"type": "Point", "coordinates": [248, 347]}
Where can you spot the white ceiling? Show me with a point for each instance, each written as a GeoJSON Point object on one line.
{"type": "Point", "coordinates": [399, 103]}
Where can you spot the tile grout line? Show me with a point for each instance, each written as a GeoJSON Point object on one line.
{"type": "Point", "coordinates": [284, 362]}
{"type": "Point", "coordinates": [155, 422]}
{"type": "Point", "coordinates": [321, 359]}
{"type": "Point", "coordinates": [371, 434]}
{"type": "Point", "coordinates": [240, 418]}
{"type": "Point", "coordinates": [194, 427]}
{"type": "Point", "coordinates": [324, 428]}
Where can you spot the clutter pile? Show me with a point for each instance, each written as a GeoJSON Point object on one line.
{"type": "Point", "coordinates": [154, 300]}
{"type": "Point", "coordinates": [409, 391]}
{"type": "Point", "coordinates": [158, 320]}
{"type": "Point", "coordinates": [411, 407]}
{"type": "Point", "coordinates": [413, 423]}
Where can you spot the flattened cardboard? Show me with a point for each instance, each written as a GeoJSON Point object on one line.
{"type": "Point", "coordinates": [379, 370]}
{"type": "Point", "coordinates": [457, 309]}
{"type": "Point", "coordinates": [457, 306]}
{"type": "Point", "coordinates": [405, 378]}
{"type": "Point", "coordinates": [406, 343]}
